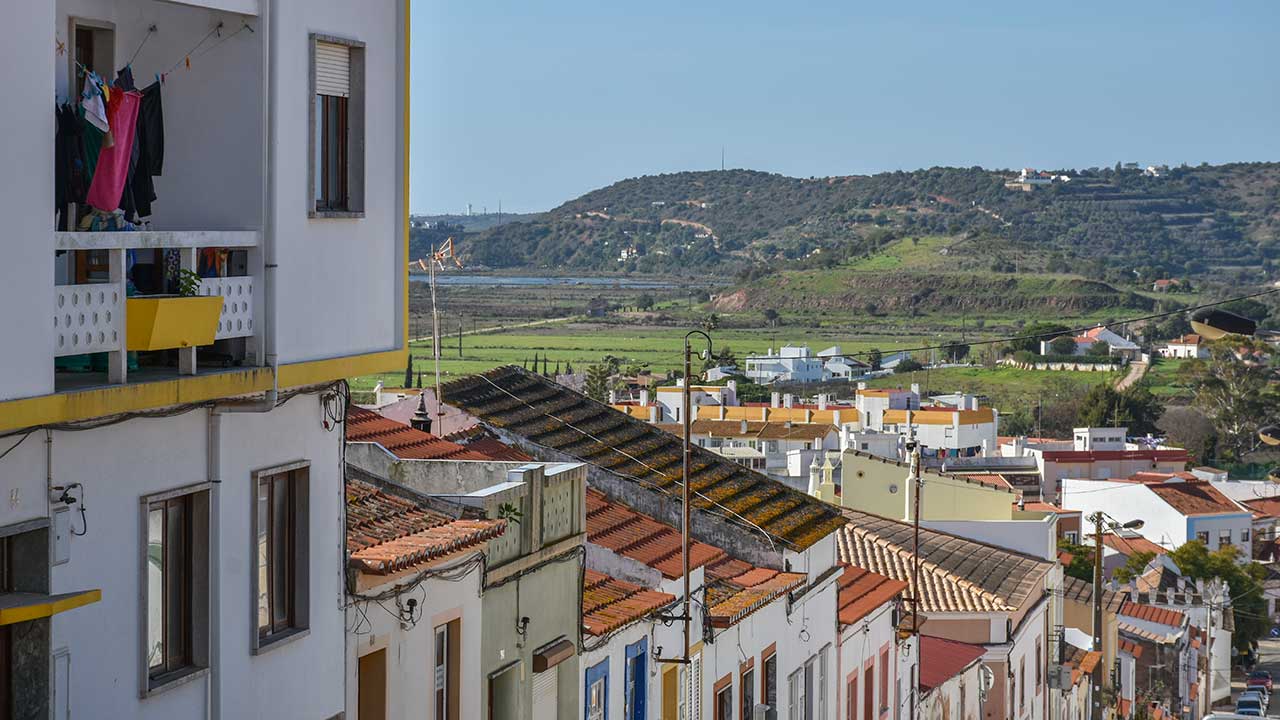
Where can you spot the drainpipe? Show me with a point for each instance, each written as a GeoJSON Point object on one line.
{"type": "Point", "coordinates": [213, 467]}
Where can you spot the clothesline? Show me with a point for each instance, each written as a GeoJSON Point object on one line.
{"type": "Point", "coordinates": [186, 57]}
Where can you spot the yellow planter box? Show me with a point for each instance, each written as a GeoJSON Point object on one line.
{"type": "Point", "coordinates": [161, 323]}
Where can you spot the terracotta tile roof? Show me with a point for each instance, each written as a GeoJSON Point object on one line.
{"type": "Point", "coordinates": [945, 659]}
{"type": "Point", "coordinates": [1264, 507]}
{"type": "Point", "coordinates": [403, 441]}
{"type": "Point", "coordinates": [628, 533]}
{"type": "Point", "coordinates": [387, 533]}
{"type": "Point", "coordinates": [957, 574]}
{"type": "Point", "coordinates": [862, 591]}
{"type": "Point", "coordinates": [1080, 591]}
{"type": "Point", "coordinates": [1082, 663]}
{"type": "Point", "coordinates": [1141, 635]}
{"type": "Point", "coordinates": [1195, 498]}
{"type": "Point", "coordinates": [1130, 647]}
{"type": "Point", "coordinates": [1069, 456]}
{"type": "Point", "coordinates": [482, 440]}
{"type": "Point", "coordinates": [1191, 339]}
{"type": "Point", "coordinates": [1130, 545]}
{"type": "Point", "coordinates": [731, 599]}
{"type": "Point", "coordinates": [1151, 613]}
{"type": "Point", "coordinates": [1125, 706]}
{"type": "Point", "coordinates": [608, 603]}
{"type": "Point", "coordinates": [1037, 506]}
{"type": "Point", "coordinates": [551, 416]}
{"type": "Point", "coordinates": [759, 429]}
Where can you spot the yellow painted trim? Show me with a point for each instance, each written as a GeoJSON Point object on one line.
{"type": "Point", "coordinates": [160, 323]}
{"type": "Point", "coordinates": [407, 64]}
{"type": "Point", "coordinates": [38, 610]}
{"type": "Point", "coordinates": [118, 399]}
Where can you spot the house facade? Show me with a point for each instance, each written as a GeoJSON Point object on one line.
{"type": "Point", "coordinates": [1186, 347]}
{"type": "Point", "coordinates": [172, 440]}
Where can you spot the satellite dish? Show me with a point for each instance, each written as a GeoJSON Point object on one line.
{"type": "Point", "coordinates": [1213, 323]}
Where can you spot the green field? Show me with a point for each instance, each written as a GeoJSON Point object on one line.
{"type": "Point", "coordinates": [1007, 388]}
{"type": "Point", "coordinates": [1162, 379]}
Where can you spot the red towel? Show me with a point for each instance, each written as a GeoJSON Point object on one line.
{"type": "Point", "coordinates": [113, 164]}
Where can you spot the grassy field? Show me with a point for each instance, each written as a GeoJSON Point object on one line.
{"type": "Point", "coordinates": [1162, 379]}
{"type": "Point", "coordinates": [1007, 388]}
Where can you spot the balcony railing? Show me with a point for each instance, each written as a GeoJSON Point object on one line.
{"type": "Point", "coordinates": [93, 317]}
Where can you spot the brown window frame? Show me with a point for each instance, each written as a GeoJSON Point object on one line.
{"type": "Point", "coordinates": [288, 612]}
{"type": "Point", "coordinates": [746, 688]}
{"type": "Point", "coordinates": [722, 695]}
{"type": "Point", "coordinates": [330, 109]}
{"type": "Point", "coordinates": [869, 692]}
{"type": "Point", "coordinates": [176, 627]}
{"type": "Point", "coordinates": [181, 600]}
{"type": "Point", "coordinates": [770, 655]}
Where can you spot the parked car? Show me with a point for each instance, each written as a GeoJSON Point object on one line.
{"type": "Point", "coordinates": [1250, 706]}
{"type": "Point", "coordinates": [1260, 694]}
{"type": "Point", "coordinates": [1260, 677]}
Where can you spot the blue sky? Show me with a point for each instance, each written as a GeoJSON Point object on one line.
{"type": "Point", "coordinates": [534, 103]}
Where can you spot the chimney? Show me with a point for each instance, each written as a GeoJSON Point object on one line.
{"type": "Point", "coordinates": [773, 399]}
{"type": "Point", "coordinates": [743, 431]}
{"type": "Point", "coordinates": [613, 397]}
{"type": "Point", "coordinates": [835, 417]}
{"type": "Point", "coordinates": [788, 400]}
{"type": "Point", "coordinates": [720, 413]}
{"type": "Point", "coordinates": [421, 420]}
{"type": "Point", "coordinates": [822, 401]}
{"type": "Point", "coordinates": [915, 388]}
{"type": "Point", "coordinates": [808, 416]}
{"type": "Point", "coordinates": [862, 386]}
{"type": "Point", "coordinates": [653, 413]}
{"type": "Point", "coordinates": [644, 397]}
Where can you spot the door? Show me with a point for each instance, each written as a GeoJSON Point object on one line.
{"type": "Point", "coordinates": [373, 686]}
{"type": "Point", "coordinates": [670, 693]}
{"type": "Point", "coordinates": [546, 694]}
{"type": "Point", "coordinates": [504, 688]}
{"type": "Point", "coordinates": [636, 679]}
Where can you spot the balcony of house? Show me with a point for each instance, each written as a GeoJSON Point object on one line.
{"type": "Point", "coordinates": [159, 190]}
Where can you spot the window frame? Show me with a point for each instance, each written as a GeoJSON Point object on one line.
{"type": "Point", "coordinates": [1203, 536]}
{"type": "Point", "coordinates": [769, 661]}
{"type": "Point", "coordinates": [722, 698]}
{"type": "Point", "coordinates": [196, 501]}
{"type": "Point", "coordinates": [299, 624]}
{"type": "Point", "coordinates": [598, 673]}
{"type": "Point", "coordinates": [1224, 534]}
{"type": "Point", "coordinates": [355, 131]}
{"type": "Point", "coordinates": [746, 688]}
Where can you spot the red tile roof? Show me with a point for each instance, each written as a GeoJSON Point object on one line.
{"type": "Point", "coordinates": [862, 591]}
{"type": "Point", "coordinates": [1265, 507]}
{"type": "Point", "coordinates": [1094, 455]}
{"type": "Point", "coordinates": [387, 533]}
{"type": "Point", "coordinates": [1131, 647]}
{"type": "Point", "coordinates": [479, 439]}
{"type": "Point", "coordinates": [941, 660]}
{"type": "Point", "coordinates": [1130, 545]}
{"type": "Point", "coordinates": [609, 603]}
{"type": "Point", "coordinates": [1196, 497]}
{"type": "Point", "coordinates": [1151, 613]}
{"type": "Point", "coordinates": [731, 599]}
{"type": "Point", "coordinates": [403, 441]}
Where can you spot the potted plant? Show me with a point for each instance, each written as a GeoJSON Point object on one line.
{"type": "Point", "coordinates": [162, 322]}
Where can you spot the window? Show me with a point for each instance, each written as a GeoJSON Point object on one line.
{"type": "Point", "coordinates": [822, 682]}
{"type": "Point", "coordinates": [280, 528]}
{"type": "Point", "coordinates": [1040, 659]}
{"type": "Point", "coordinates": [447, 670]}
{"type": "Point", "coordinates": [807, 689]}
{"type": "Point", "coordinates": [795, 695]}
{"type": "Point", "coordinates": [884, 680]}
{"type": "Point", "coordinates": [1203, 536]}
{"type": "Point", "coordinates": [176, 592]}
{"type": "Point", "coordinates": [769, 691]}
{"type": "Point", "coordinates": [869, 693]}
{"type": "Point", "coordinates": [724, 698]}
{"type": "Point", "coordinates": [597, 700]}
{"type": "Point", "coordinates": [1071, 536]}
{"type": "Point", "coordinates": [747, 692]}
{"type": "Point", "coordinates": [337, 127]}
{"type": "Point", "coordinates": [851, 706]}
{"type": "Point", "coordinates": [1224, 538]}
{"type": "Point", "coordinates": [635, 677]}
{"type": "Point", "coordinates": [1022, 683]}
{"type": "Point", "coordinates": [1244, 535]}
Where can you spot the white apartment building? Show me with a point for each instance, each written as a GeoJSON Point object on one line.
{"type": "Point", "coordinates": [791, 363]}
{"type": "Point", "coordinates": [1092, 453]}
{"type": "Point", "coordinates": [172, 465]}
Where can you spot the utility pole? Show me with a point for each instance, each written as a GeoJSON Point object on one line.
{"type": "Point", "coordinates": [1095, 698]}
{"type": "Point", "coordinates": [917, 486]}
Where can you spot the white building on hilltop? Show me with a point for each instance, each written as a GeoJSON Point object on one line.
{"type": "Point", "coordinates": [172, 465]}
{"type": "Point", "coordinates": [792, 363]}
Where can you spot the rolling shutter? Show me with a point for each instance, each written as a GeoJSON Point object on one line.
{"type": "Point", "coordinates": [545, 695]}
{"type": "Point", "coordinates": [333, 69]}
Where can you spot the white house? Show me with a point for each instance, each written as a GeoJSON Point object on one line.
{"type": "Point", "coordinates": [1092, 453]}
{"type": "Point", "coordinates": [1174, 508]}
{"type": "Point", "coordinates": [671, 398]}
{"type": "Point", "coordinates": [772, 440]}
{"type": "Point", "coordinates": [951, 680]}
{"type": "Point", "coordinates": [876, 667]}
{"type": "Point", "coordinates": [1118, 345]}
{"type": "Point", "coordinates": [1187, 346]}
{"type": "Point", "coordinates": [173, 521]}
{"type": "Point", "coordinates": [792, 363]}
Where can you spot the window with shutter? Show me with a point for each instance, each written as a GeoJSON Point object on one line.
{"type": "Point", "coordinates": [337, 127]}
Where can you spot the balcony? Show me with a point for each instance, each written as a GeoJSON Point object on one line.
{"type": "Point", "coordinates": [95, 343]}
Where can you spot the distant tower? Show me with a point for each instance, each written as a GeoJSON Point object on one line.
{"type": "Point", "coordinates": [468, 209]}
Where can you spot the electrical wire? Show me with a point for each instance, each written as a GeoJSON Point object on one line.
{"type": "Point", "coordinates": [21, 440]}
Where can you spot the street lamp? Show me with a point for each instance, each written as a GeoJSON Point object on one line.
{"type": "Point", "coordinates": [1216, 323]}
{"type": "Point", "coordinates": [1100, 522]}
{"type": "Point", "coordinates": [1270, 435]}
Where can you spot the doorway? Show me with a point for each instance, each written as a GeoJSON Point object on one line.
{"type": "Point", "coordinates": [372, 679]}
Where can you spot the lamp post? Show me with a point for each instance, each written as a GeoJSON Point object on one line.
{"type": "Point", "coordinates": [1101, 521]}
{"type": "Point", "coordinates": [687, 423]}
{"type": "Point", "coordinates": [1216, 323]}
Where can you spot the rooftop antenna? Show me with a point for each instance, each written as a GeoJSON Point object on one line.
{"type": "Point", "coordinates": [438, 257]}
{"type": "Point", "coordinates": [721, 158]}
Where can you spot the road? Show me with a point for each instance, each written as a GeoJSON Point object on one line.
{"type": "Point", "coordinates": [1268, 659]}
{"type": "Point", "coordinates": [1136, 371]}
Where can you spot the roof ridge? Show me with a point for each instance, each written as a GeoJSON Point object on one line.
{"type": "Point", "coordinates": [938, 569]}
{"type": "Point", "coordinates": [847, 512]}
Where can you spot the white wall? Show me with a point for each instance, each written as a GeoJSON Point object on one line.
{"type": "Point", "coordinates": [1215, 524]}
{"type": "Point", "coordinates": [615, 651]}
{"type": "Point", "coordinates": [860, 646]}
{"type": "Point", "coordinates": [26, 158]}
{"type": "Point", "coordinates": [118, 465]}
{"type": "Point", "coordinates": [410, 651]}
{"type": "Point", "coordinates": [1031, 537]}
{"type": "Point", "coordinates": [339, 279]}
{"type": "Point", "coordinates": [1126, 501]}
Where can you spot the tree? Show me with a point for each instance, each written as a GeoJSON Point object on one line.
{"type": "Point", "coordinates": [1188, 428]}
{"type": "Point", "coordinates": [1081, 566]}
{"type": "Point", "coordinates": [408, 372]}
{"type": "Point", "coordinates": [645, 302]}
{"type": "Point", "coordinates": [1135, 408]}
{"type": "Point", "coordinates": [874, 358]}
{"type": "Point", "coordinates": [1235, 396]}
{"type": "Point", "coordinates": [1063, 345]}
{"type": "Point", "coordinates": [1134, 566]}
{"type": "Point", "coordinates": [596, 385]}
{"type": "Point", "coordinates": [1030, 336]}
{"type": "Point", "coordinates": [711, 322]}
{"type": "Point", "coordinates": [1099, 348]}
{"type": "Point", "coordinates": [907, 365]}
{"type": "Point", "coordinates": [771, 317]}
{"type": "Point", "coordinates": [955, 351]}
{"type": "Point", "coordinates": [1243, 580]}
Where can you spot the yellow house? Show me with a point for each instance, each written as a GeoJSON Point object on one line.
{"type": "Point", "coordinates": [877, 485]}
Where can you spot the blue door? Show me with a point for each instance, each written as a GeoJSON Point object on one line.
{"type": "Point", "coordinates": [637, 679]}
{"type": "Point", "coordinates": [597, 697]}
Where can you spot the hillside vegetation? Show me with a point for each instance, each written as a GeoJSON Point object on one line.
{"type": "Point", "coordinates": [1111, 225]}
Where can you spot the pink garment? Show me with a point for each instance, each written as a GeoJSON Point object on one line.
{"type": "Point", "coordinates": [113, 163]}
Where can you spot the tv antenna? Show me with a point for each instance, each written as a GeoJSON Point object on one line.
{"type": "Point", "coordinates": [438, 257]}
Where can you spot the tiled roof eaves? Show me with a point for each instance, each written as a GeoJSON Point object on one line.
{"type": "Point", "coordinates": [637, 451]}
{"type": "Point", "coordinates": [609, 604]}
{"type": "Point", "coordinates": [402, 553]}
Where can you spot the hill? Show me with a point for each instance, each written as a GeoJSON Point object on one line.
{"type": "Point", "coordinates": [1114, 225]}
